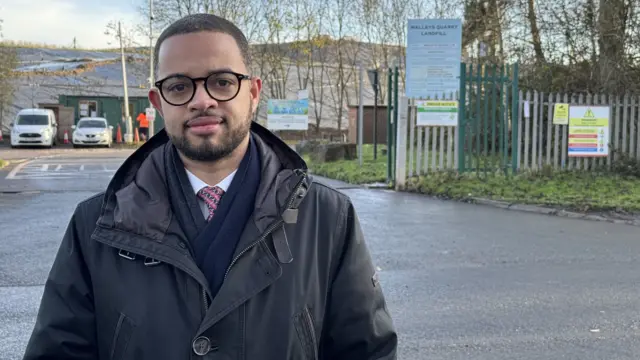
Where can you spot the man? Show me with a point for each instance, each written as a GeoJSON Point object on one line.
{"type": "Point", "coordinates": [263, 264]}
{"type": "Point", "coordinates": [143, 125]}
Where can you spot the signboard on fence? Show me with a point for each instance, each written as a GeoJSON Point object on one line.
{"type": "Point", "coordinates": [588, 131]}
{"type": "Point", "coordinates": [433, 58]}
{"type": "Point", "coordinates": [437, 113]}
{"type": "Point", "coordinates": [288, 114]}
{"type": "Point", "coordinates": [150, 113]}
{"type": "Point", "coordinates": [561, 114]}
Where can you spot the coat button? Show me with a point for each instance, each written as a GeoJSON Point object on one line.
{"type": "Point", "coordinates": [201, 345]}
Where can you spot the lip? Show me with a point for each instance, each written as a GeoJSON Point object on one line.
{"type": "Point", "coordinates": [205, 125]}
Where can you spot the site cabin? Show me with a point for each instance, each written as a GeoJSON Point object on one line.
{"type": "Point", "coordinates": [108, 107]}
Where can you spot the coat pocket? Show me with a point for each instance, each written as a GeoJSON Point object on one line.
{"type": "Point", "coordinates": [121, 337]}
{"type": "Point", "coordinates": [307, 333]}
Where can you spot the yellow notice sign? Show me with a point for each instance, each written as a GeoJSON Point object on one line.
{"type": "Point", "coordinates": [561, 114]}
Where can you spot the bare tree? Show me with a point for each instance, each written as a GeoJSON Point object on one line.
{"type": "Point", "coordinates": [275, 49]}
{"type": "Point", "coordinates": [246, 14]}
{"type": "Point", "coordinates": [8, 63]}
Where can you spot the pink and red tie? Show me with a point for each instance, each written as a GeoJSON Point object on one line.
{"type": "Point", "coordinates": [211, 196]}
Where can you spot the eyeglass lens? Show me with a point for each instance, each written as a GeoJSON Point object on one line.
{"type": "Point", "coordinates": [179, 89]}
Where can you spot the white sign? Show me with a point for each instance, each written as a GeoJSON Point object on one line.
{"type": "Point", "coordinates": [437, 113]}
{"type": "Point", "coordinates": [150, 113]}
{"type": "Point", "coordinates": [288, 114]}
{"type": "Point", "coordinates": [434, 53]}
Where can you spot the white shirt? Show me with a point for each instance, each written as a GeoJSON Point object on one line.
{"type": "Point", "coordinates": [198, 184]}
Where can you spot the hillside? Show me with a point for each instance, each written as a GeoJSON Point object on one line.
{"type": "Point", "coordinates": [44, 74]}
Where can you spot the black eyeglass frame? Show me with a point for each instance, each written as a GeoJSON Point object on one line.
{"type": "Point", "coordinates": [204, 80]}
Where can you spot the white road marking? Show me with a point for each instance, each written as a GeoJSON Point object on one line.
{"type": "Point", "coordinates": [50, 169]}
{"type": "Point", "coordinates": [17, 169]}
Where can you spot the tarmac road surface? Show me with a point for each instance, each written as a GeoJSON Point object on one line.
{"type": "Point", "coordinates": [462, 281]}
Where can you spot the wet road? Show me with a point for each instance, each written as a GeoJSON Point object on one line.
{"type": "Point", "coordinates": [462, 281]}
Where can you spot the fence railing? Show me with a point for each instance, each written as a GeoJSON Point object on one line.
{"type": "Point", "coordinates": [540, 142]}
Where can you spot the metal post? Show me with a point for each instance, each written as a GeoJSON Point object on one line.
{"type": "Point", "coordinates": [389, 127]}
{"type": "Point", "coordinates": [395, 118]}
{"type": "Point", "coordinates": [515, 146]}
{"type": "Point", "coordinates": [128, 137]}
{"type": "Point", "coordinates": [151, 67]}
{"type": "Point", "coordinates": [360, 114]}
{"type": "Point", "coordinates": [375, 115]}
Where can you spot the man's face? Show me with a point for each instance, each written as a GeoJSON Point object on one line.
{"type": "Point", "coordinates": [204, 128]}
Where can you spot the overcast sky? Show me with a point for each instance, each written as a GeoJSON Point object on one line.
{"type": "Point", "coordinates": [59, 21]}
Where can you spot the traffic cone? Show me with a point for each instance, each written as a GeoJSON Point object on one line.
{"type": "Point", "coordinates": [136, 137]}
{"type": "Point", "coordinates": [119, 135]}
{"type": "Point", "coordinates": [66, 137]}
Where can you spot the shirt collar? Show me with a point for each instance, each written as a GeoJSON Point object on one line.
{"type": "Point", "coordinates": [198, 184]}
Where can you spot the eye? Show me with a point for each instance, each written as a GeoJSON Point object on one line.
{"type": "Point", "coordinates": [177, 87]}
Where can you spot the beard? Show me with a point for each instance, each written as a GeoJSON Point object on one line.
{"type": "Point", "coordinates": [229, 139]}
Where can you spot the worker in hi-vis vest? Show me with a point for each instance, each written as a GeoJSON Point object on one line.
{"type": "Point", "coordinates": [143, 125]}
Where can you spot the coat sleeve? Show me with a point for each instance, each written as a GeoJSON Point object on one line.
{"type": "Point", "coordinates": [359, 323]}
{"type": "Point", "coordinates": [65, 324]}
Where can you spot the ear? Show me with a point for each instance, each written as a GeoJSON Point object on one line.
{"type": "Point", "coordinates": [256, 88]}
{"type": "Point", "coordinates": [156, 100]}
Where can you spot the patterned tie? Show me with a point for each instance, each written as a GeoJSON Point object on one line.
{"type": "Point", "coordinates": [211, 196]}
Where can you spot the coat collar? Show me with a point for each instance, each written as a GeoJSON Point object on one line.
{"type": "Point", "coordinates": [136, 201]}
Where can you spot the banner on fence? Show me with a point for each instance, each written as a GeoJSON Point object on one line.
{"type": "Point", "coordinates": [588, 131]}
{"type": "Point", "coordinates": [561, 114]}
{"type": "Point", "coordinates": [437, 113]}
{"type": "Point", "coordinates": [288, 114]}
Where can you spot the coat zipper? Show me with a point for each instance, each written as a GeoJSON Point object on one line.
{"type": "Point", "coordinates": [270, 229]}
{"type": "Point", "coordinates": [312, 332]}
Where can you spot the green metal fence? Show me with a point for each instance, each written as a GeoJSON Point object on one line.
{"type": "Point", "coordinates": [488, 118]}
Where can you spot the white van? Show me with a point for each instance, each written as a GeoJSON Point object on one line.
{"type": "Point", "coordinates": [34, 127]}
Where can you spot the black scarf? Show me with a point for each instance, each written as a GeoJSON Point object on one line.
{"type": "Point", "coordinates": [213, 243]}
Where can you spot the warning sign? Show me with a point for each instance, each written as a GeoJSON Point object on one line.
{"type": "Point", "coordinates": [561, 114]}
{"type": "Point", "coordinates": [589, 131]}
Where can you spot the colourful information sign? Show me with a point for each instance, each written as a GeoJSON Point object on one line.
{"type": "Point", "coordinates": [588, 131]}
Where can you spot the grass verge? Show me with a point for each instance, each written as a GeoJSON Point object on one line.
{"type": "Point", "coordinates": [576, 191]}
{"type": "Point", "coordinates": [371, 171]}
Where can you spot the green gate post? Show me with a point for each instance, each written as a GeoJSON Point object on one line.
{"type": "Point", "coordinates": [515, 147]}
{"type": "Point", "coordinates": [462, 123]}
{"type": "Point", "coordinates": [504, 120]}
{"type": "Point", "coordinates": [389, 128]}
{"type": "Point", "coordinates": [395, 119]}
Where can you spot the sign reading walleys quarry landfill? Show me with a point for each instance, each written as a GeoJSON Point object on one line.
{"type": "Point", "coordinates": [434, 52]}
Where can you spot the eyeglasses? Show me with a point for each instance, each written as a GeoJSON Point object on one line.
{"type": "Point", "coordinates": [221, 86]}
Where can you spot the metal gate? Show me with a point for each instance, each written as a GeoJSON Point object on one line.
{"type": "Point", "coordinates": [488, 118]}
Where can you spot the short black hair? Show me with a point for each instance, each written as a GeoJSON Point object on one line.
{"type": "Point", "coordinates": [203, 22]}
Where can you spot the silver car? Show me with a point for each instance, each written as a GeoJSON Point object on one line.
{"type": "Point", "coordinates": [92, 131]}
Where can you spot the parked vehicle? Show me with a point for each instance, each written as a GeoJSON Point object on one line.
{"type": "Point", "coordinates": [92, 131]}
{"type": "Point", "coordinates": [34, 127]}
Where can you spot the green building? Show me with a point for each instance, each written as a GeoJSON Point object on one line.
{"type": "Point", "coordinates": [110, 107]}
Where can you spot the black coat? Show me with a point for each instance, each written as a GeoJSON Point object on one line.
{"type": "Point", "coordinates": [301, 284]}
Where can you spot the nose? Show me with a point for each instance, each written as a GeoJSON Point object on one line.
{"type": "Point", "coordinates": [201, 99]}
